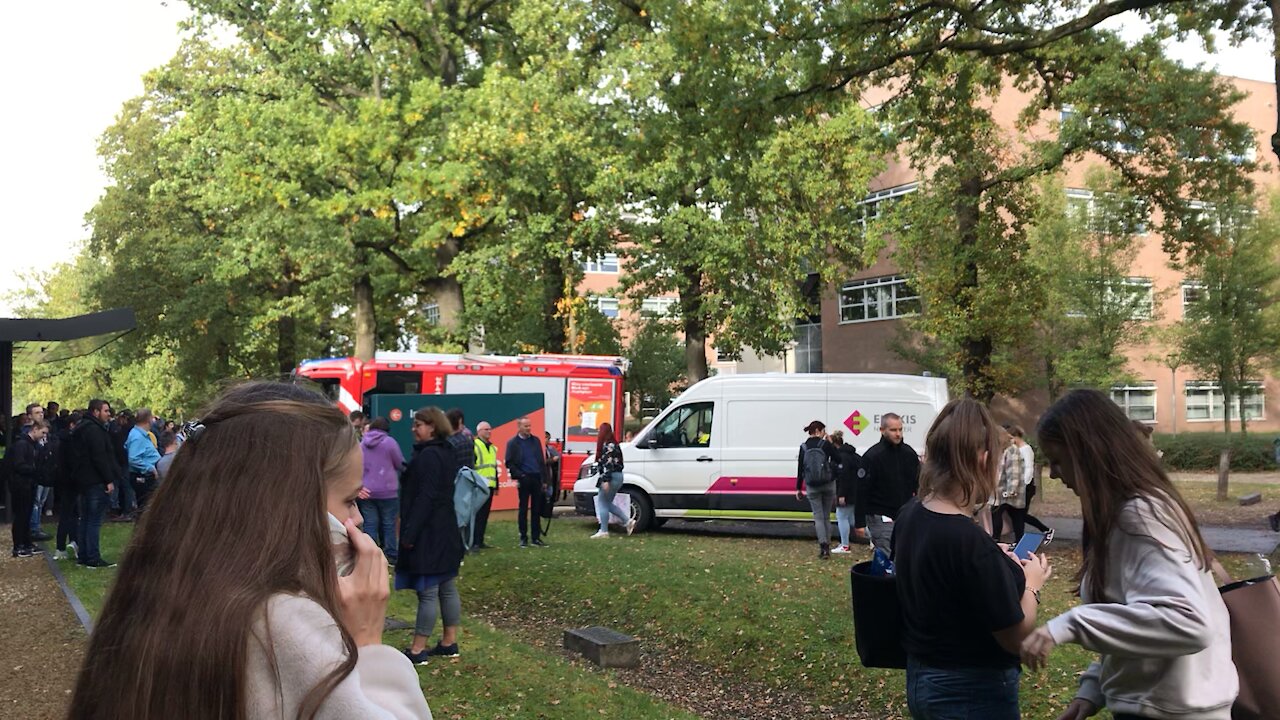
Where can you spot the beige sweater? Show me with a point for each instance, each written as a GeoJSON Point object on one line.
{"type": "Point", "coordinates": [308, 645]}
{"type": "Point", "coordinates": [1164, 637]}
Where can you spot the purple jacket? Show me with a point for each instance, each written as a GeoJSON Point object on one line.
{"type": "Point", "coordinates": [382, 463]}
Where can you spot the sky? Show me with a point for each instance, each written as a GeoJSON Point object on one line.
{"type": "Point", "coordinates": [66, 83]}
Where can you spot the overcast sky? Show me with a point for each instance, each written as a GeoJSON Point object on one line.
{"type": "Point", "coordinates": [69, 70]}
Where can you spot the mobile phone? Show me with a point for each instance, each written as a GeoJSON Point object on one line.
{"type": "Point", "coordinates": [1030, 542]}
{"type": "Point", "coordinates": [343, 552]}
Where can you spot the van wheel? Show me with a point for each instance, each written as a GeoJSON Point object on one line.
{"type": "Point", "coordinates": [641, 508]}
{"type": "Point", "coordinates": [660, 521]}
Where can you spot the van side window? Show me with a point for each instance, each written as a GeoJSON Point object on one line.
{"type": "Point", "coordinates": [686, 426]}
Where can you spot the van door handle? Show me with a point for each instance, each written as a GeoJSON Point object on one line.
{"type": "Point", "coordinates": [704, 458]}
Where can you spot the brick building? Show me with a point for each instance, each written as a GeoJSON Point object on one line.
{"type": "Point", "coordinates": [861, 315]}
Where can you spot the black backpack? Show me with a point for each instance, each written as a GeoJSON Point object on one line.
{"type": "Point", "coordinates": [817, 468]}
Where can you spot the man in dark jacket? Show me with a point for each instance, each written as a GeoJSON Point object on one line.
{"type": "Point", "coordinates": [526, 462]}
{"type": "Point", "coordinates": [97, 474]}
{"type": "Point", "coordinates": [67, 489]}
{"type": "Point", "coordinates": [888, 478]}
{"type": "Point", "coordinates": [27, 473]}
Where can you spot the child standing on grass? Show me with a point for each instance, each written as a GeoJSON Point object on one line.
{"type": "Point", "coordinates": [1150, 604]}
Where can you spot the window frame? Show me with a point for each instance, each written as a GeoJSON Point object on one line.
{"type": "Point", "coordinates": [1216, 400]}
{"type": "Point", "coordinates": [599, 265]}
{"type": "Point", "coordinates": [1129, 389]}
{"type": "Point", "coordinates": [886, 307]}
{"type": "Point", "coordinates": [602, 300]}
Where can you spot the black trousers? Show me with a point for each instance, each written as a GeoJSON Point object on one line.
{"type": "Point", "coordinates": [482, 519]}
{"type": "Point", "coordinates": [22, 497]}
{"type": "Point", "coordinates": [68, 516]}
{"type": "Point", "coordinates": [531, 498]}
{"type": "Point", "coordinates": [142, 487]}
{"type": "Point", "coordinates": [1032, 520]}
{"type": "Point", "coordinates": [1017, 515]}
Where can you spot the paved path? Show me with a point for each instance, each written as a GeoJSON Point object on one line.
{"type": "Point", "coordinates": [1220, 539]}
{"type": "Point", "coordinates": [41, 642]}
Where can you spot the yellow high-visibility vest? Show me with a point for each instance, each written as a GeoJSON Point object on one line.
{"type": "Point", "coordinates": [487, 462]}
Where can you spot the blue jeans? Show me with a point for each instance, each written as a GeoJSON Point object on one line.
{"type": "Point", "coordinates": [380, 523]}
{"type": "Point", "coordinates": [844, 519]}
{"type": "Point", "coordinates": [37, 508]}
{"type": "Point", "coordinates": [962, 694]}
{"type": "Point", "coordinates": [123, 499]}
{"type": "Point", "coordinates": [93, 506]}
{"type": "Point", "coordinates": [604, 502]}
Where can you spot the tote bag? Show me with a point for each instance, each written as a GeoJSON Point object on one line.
{"type": "Point", "coordinates": [877, 618]}
{"type": "Point", "coordinates": [1254, 606]}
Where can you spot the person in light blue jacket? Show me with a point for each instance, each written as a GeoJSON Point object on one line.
{"type": "Point", "coordinates": [143, 456]}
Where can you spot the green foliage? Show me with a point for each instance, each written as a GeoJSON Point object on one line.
{"type": "Point", "coordinates": [1199, 451]}
{"type": "Point", "coordinates": [1084, 251]}
{"type": "Point", "coordinates": [657, 364]}
{"type": "Point", "coordinates": [1233, 332]}
{"type": "Point", "coordinates": [599, 334]}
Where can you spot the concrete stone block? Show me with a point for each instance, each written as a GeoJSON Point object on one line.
{"type": "Point", "coordinates": [604, 647]}
{"type": "Point", "coordinates": [1250, 499]}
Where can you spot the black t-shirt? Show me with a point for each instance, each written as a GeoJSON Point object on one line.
{"type": "Point", "coordinates": [956, 587]}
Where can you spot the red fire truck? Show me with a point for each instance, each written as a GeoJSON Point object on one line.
{"type": "Point", "coordinates": [580, 391]}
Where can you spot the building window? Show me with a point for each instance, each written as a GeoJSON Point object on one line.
{"type": "Point", "coordinates": [1082, 206]}
{"type": "Point", "coordinates": [607, 306]}
{"type": "Point", "coordinates": [1138, 401]}
{"type": "Point", "coordinates": [1192, 293]}
{"type": "Point", "coordinates": [431, 312]}
{"type": "Point", "coordinates": [657, 306]}
{"type": "Point", "coordinates": [606, 263]}
{"type": "Point", "coordinates": [880, 298]}
{"type": "Point", "coordinates": [876, 204]}
{"type": "Point", "coordinates": [1134, 293]}
{"type": "Point", "coordinates": [809, 348]}
{"type": "Point", "coordinates": [1206, 402]}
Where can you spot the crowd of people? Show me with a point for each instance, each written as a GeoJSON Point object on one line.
{"type": "Point", "coordinates": [89, 465]}
{"type": "Point", "coordinates": [1150, 606]}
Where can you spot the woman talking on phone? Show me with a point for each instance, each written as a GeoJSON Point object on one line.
{"type": "Point", "coordinates": [228, 602]}
{"type": "Point", "coordinates": [1150, 605]}
{"type": "Point", "coordinates": [966, 603]}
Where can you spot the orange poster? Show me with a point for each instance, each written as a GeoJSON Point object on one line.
{"type": "Point", "coordinates": [590, 406]}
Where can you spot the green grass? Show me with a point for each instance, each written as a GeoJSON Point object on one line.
{"type": "Point", "coordinates": [752, 610]}
{"type": "Point", "coordinates": [497, 677]}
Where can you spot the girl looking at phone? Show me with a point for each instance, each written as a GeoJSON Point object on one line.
{"type": "Point", "coordinates": [1150, 605]}
{"type": "Point", "coordinates": [228, 603]}
{"type": "Point", "coordinates": [966, 603]}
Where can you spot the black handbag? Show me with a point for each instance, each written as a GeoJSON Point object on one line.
{"type": "Point", "coordinates": [877, 618]}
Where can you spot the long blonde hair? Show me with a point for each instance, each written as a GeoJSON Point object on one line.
{"type": "Point", "coordinates": [955, 466]}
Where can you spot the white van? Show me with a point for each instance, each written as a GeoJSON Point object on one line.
{"type": "Point", "coordinates": [728, 446]}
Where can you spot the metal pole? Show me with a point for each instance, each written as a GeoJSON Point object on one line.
{"type": "Point", "coordinates": [6, 409]}
{"type": "Point", "coordinates": [1173, 398]}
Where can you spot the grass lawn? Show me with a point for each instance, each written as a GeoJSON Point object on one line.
{"type": "Point", "coordinates": [1200, 491]}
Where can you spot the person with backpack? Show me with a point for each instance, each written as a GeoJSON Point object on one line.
{"type": "Point", "coordinates": [609, 481]}
{"type": "Point", "coordinates": [815, 479]}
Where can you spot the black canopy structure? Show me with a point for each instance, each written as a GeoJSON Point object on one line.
{"type": "Point", "coordinates": [44, 340]}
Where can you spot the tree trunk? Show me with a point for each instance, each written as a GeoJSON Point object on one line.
{"type": "Point", "coordinates": [366, 319]}
{"type": "Point", "coordinates": [1275, 55]}
{"type": "Point", "coordinates": [286, 344]}
{"type": "Point", "coordinates": [447, 292]}
{"type": "Point", "coordinates": [555, 288]}
{"type": "Point", "coordinates": [694, 326]}
{"type": "Point", "coordinates": [977, 350]}
{"type": "Point", "coordinates": [1224, 469]}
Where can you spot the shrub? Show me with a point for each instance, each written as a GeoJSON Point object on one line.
{"type": "Point", "coordinates": [1200, 450]}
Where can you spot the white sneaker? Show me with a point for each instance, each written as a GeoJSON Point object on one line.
{"type": "Point", "coordinates": [73, 550]}
{"type": "Point", "coordinates": [840, 549]}
{"type": "Point", "coordinates": [600, 534]}
{"type": "Point", "coordinates": [631, 526]}
{"type": "Point", "coordinates": [59, 555]}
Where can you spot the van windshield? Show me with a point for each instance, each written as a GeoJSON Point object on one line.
{"type": "Point", "coordinates": [686, 426]}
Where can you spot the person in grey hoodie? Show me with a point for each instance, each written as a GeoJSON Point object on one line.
{"type": "Point", "coordinates": [1150, 605]}
{"type": "Point", "coordinates": [383, 461]}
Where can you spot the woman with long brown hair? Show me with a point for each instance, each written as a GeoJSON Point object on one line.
{"type": "Point", "coordinates": [609, 481]}
{"type": "Point", "coordinates": [966, 603]}
{"type": "Point", "coordinates": [430, 543]}
{"type": "Point", "coordinates": [1151, 607]}
{"type": "Point", "coordinates": [228, 603]}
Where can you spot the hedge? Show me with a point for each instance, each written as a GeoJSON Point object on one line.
{"type": "Point", "coordinates": [1200, 450]}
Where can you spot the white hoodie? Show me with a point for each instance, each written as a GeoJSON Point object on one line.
{"type": "Point", "coordinates": [1162, 630]}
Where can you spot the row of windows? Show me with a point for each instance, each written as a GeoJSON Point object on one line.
{"type": "Point", "coordinates": [653, 306]}
{"type": "Point", "coordinates": [1204, 401]}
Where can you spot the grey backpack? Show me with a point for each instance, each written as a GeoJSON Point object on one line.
{"type": "Point", "coordinates": [817, 470]}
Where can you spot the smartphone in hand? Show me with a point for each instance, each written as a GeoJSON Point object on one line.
{"type": "Point", "coordinates": [1029, 543]}
{"type": "Point", "coordinates": [344, 555]}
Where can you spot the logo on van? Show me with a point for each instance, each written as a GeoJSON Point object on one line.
{"type": "Point", "coordinates": [857, 422]}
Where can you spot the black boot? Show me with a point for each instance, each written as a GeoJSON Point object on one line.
{"type": "Point", "coordinates": [824, 551]}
